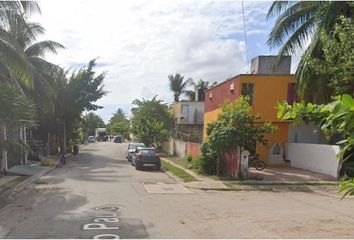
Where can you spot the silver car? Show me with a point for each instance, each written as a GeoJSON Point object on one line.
{"type": "Point", "coordinates": [131, 149]}
{"type": "Point", "coordinates": [91, 139]}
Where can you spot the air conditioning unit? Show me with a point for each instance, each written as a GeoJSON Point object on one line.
{"type": "Point", "coordinates": [210, 96]}
{"type": "Point", "coordinates": [232, 87]}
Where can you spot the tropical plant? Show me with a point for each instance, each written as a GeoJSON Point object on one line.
{"type": "Point", "coordinates": [152, 122]}
{"type": "Point", "coordinates": [336, 64]}
{"type": "Point", "coordinates": [119, 124]}
{"type": "Point", "coordinates": [178, 85]}
{"type": "Point", "coordinates": [24, 60]}
{"type": "Point", "coordinates": [90, 122]}
{"type": "Point", "coordinates": [201, 86]}
{"type": "Point", "coordinates": [335, 118]}
{"type": "Point", "coordinates": [235, 128]}
{"type": "Point", "coordinates": [299, 22]}
{"type": "Point", "coordinates": [15, 109]}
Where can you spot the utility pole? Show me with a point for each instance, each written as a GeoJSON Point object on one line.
{"type": "Point", "coordinates": [4, 151]}
{"type": "Point", "coordinates": [64, 137]}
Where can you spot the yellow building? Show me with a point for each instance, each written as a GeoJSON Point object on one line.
{"type": "Point", "coordinates": [265, 91]}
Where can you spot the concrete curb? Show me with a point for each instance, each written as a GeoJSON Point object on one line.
{"type": "Point", "coordinates": [195, 175]}
{"type": "Point", "coordinates": [171, 175]}
{"type": "Point", "coordinates": [21, 185]}
{"type": "Point", "coordinates": [202, 183]}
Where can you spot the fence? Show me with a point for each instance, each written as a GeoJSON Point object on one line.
{"type": "Point", "coordinates": [320, 158]}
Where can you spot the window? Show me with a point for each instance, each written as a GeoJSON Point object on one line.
{"type": "Point", "coordinates": [185, 112]}
{"type": "Point", "coordinates": [291, 93]}
{"type": "Point", "coordinates": [247, 90]}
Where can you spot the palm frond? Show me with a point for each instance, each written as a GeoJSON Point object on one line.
{"type": "Point", "coordinates": [288, 23]}
{"type": "Point", "coordinates": [40, 48]}
{"type": "Point", "coordinates": [277, 7]}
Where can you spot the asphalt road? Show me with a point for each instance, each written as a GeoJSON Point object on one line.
{"type": "Point", "coordinates": [99, 194]}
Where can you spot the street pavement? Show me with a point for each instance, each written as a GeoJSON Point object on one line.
{"type": "Point", "coordinates": [98, 194]}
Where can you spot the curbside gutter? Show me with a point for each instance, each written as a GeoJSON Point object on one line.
{"type": "Point", "coordinates": [202, 183]}
{"type": "Point", "coordinates": [23, 184]}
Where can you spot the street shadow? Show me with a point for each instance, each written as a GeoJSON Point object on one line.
{"type": "Point", "coordinates": [55, 213]}
{"type": "Point", "coordinates": [93, 168]}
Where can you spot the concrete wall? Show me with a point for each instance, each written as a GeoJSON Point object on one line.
{"type": "Point", "coordinates": [305, 134]}
{"type": "Point", "coordinates": [189, 112]}
{"type": "Point", "coordinates": [320, 158]}
{"type": "Point", "coordinates": [168, 147]}
{"type": "Point", "coordinates": [265, 65]}
{"type": "Point", "coordinates": [180, 148]}
{"type": "Point", "coordinates": [193, 149]}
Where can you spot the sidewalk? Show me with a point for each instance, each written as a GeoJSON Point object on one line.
{"type": "Point", "coordinates": [25, 175]}
{"type": "Point", "coordinates": [203, 182]}
{"type": "Point", "coordinates": [329, 188]}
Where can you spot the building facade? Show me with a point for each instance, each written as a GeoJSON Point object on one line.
{"type": "Point", "coordinates": [265, 91]}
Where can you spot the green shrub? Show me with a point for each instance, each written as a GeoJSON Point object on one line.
{"type": "Point", "coordinates": [206, 163]}
{"type": "Point", "coordinates": [189, 158]}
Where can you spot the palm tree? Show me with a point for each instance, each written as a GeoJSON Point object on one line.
{"type": "Point", "coordinates": [296, 23]}
{"type": "Point", "coordinates": [177, 85]}
{"type": "Point", "coordinates": [14, 67]}
{"type": "Point", "coordinates": [201, 87]}
{"type": "Point", "coordinates": [15, 109]}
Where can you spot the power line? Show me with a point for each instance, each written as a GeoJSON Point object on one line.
{"type": "Point", "coordinates": [245, 31]}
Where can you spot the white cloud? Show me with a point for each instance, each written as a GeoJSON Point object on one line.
{"type": "Point", "coordinates": [139, 43]}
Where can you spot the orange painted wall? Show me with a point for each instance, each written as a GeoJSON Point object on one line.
{"type": "Point", "coordinates": [268, 91]}
{"type": "Point", "coordinates": [193, 149]}
{"type": "Point", "coordinates": [281, 136]}
{"type": "Point", "coordinates": [209, 117]}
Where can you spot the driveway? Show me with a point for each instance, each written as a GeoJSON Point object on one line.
{"type": "Point", "coordinates": [290, 174]}
{"type": "Point", "coordinates": [99, 194]}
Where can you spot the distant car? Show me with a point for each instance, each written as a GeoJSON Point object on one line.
{"type": "Point", "coordinates": [131, 149]}
{"type": "Point", "coordinates": [117, 139]}
{"type": "Point", "coordinates": [146, 157]}
{"type": "Point", "coordinates": [91, 139]}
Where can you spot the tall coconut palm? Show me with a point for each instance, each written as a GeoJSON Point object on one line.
{"type": "Point", "coordinates": [200, 87]}
{"type": "Point", "coordinates": [14, 65]}
{"type": "Point", "coordinates": [21, 36]}
{"type": "Point", "coordinates": [178, 85]}
{"type": "Point", "coordinates": [299, 22]}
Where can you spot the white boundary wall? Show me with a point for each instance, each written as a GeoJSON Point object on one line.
{"type": "Point", "coordinates": [315, 157]}
{"type": "Point", "coordinates": [180, 148]}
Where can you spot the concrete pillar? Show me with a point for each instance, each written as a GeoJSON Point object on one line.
{"type": "Point", "coordinates": [4, 152]}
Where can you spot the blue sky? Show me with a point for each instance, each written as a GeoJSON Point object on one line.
{"type": "Point", "coordinates": [139, 43]}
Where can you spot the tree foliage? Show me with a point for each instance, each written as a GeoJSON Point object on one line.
{"type": "Point", "coordinates": [299, 22]}
{"type": "Point", "coordinates": [335, 118]}
{"type": "Point", "coordinates": [152, 121]}
{"type": "Point", "coordinates": [178, 85]}
{"type": "Point", "coordinates": [336, 65]}
{"type": "Point", "coordinates": [119, 124]}
{"type": "Point", "coordinates": [201, 86]}
{"type": "Point", "coordinates": [90, 122]}
{"type": "Point", "coordinates": [235, 128]}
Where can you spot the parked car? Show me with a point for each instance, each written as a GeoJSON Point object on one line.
{"type": "Point", "coordinates": [91, 139]}
{"type": "Point", "coordinates": [117, 139]}
{"type": "Point", "coordinates": [146, 157]}
{"type": "Point", "coordinates": [131, 149]}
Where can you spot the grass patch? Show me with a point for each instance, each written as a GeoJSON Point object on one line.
{"type": "Point", "coordinates": [283, 184]}
{"type": "Point", "coordinates": [179, 172]}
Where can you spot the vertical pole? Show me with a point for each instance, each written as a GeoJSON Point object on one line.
{"type": "Point", "coordinates": [48, 145]}
{"type": "Point", "coordinates": [25, 141]}
{"type": "Point", "coordinates": [64, 136]}
{"type": "Point", "coordinates": [21, 145]}
{"type": "Point", "coordinates": [4, 152]}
